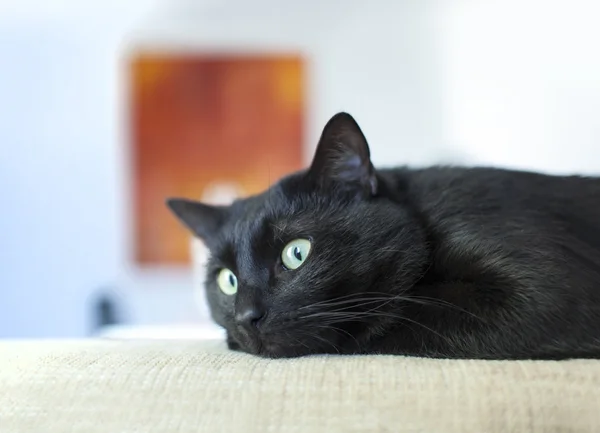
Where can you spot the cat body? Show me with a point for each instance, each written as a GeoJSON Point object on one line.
{"type": "Point", "coordinates": [440, 262]}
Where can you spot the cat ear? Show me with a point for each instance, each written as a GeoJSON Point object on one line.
{"type": "Point", "coordinates": [343, 156]}
{"type": "Point", "coordinates": [201, 219]}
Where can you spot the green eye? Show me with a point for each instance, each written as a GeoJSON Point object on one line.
{"type": "Point", "coordinates": [295, 253]}
{"type": "Point", "coordinates": [227, 282]}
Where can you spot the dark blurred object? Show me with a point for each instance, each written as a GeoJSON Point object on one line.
{"type": "Point", "coordinates": [106, 312]}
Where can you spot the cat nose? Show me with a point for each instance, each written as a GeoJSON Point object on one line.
{"type": "Point", "coordinates": [249, 317]}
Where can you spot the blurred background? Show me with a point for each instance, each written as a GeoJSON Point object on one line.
{"type": "Point", "coordinates": [106, 107]}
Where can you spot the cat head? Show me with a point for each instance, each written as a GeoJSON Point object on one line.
{"type": "Point", "coordinates": [312, 265]}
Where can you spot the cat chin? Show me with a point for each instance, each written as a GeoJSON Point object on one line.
{"type": "Point", "coordinates": [265, 349]}
{"type": "Point", "coordinates": [272, 350]}
{"type": "Point", "coordinates": [269, 349]}
{"type": "Point", "coordinates": [275, 351]}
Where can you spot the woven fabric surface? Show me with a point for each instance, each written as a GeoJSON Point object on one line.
{"type": "Point", "coordinates": [123, 386]}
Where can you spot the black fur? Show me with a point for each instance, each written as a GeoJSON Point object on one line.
{"type": "Point", "coordinates": [438, 262]}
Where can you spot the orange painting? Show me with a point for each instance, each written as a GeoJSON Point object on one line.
{"type": "Point", "coordinates": [198, 121]}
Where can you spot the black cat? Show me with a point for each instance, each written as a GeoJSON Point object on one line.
{"type": "Point", "coordinates": [437, 262]}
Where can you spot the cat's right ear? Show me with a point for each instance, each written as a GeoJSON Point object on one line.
{"type": "Point", "coordinates": [201, 219]}
{"type": "Point", "coordinates": [343, 157]}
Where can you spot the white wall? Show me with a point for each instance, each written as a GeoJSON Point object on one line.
{"type": "Point", "coordinates": [521, 82]}
{"type": "Point", "coordinates": [380, 63]}
{"type": "Point", "coordinates": [509, 83]}
{"type": "Point", "coordinates": [61, 222]}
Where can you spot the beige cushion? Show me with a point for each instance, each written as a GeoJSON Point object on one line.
{"type": "Point", "coordinates": [112, 386]}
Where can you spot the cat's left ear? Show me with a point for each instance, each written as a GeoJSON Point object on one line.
{"type": "Point", "coordinates": [203, 220]}
{"type": "Point", "coordinates": [343, 157]}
